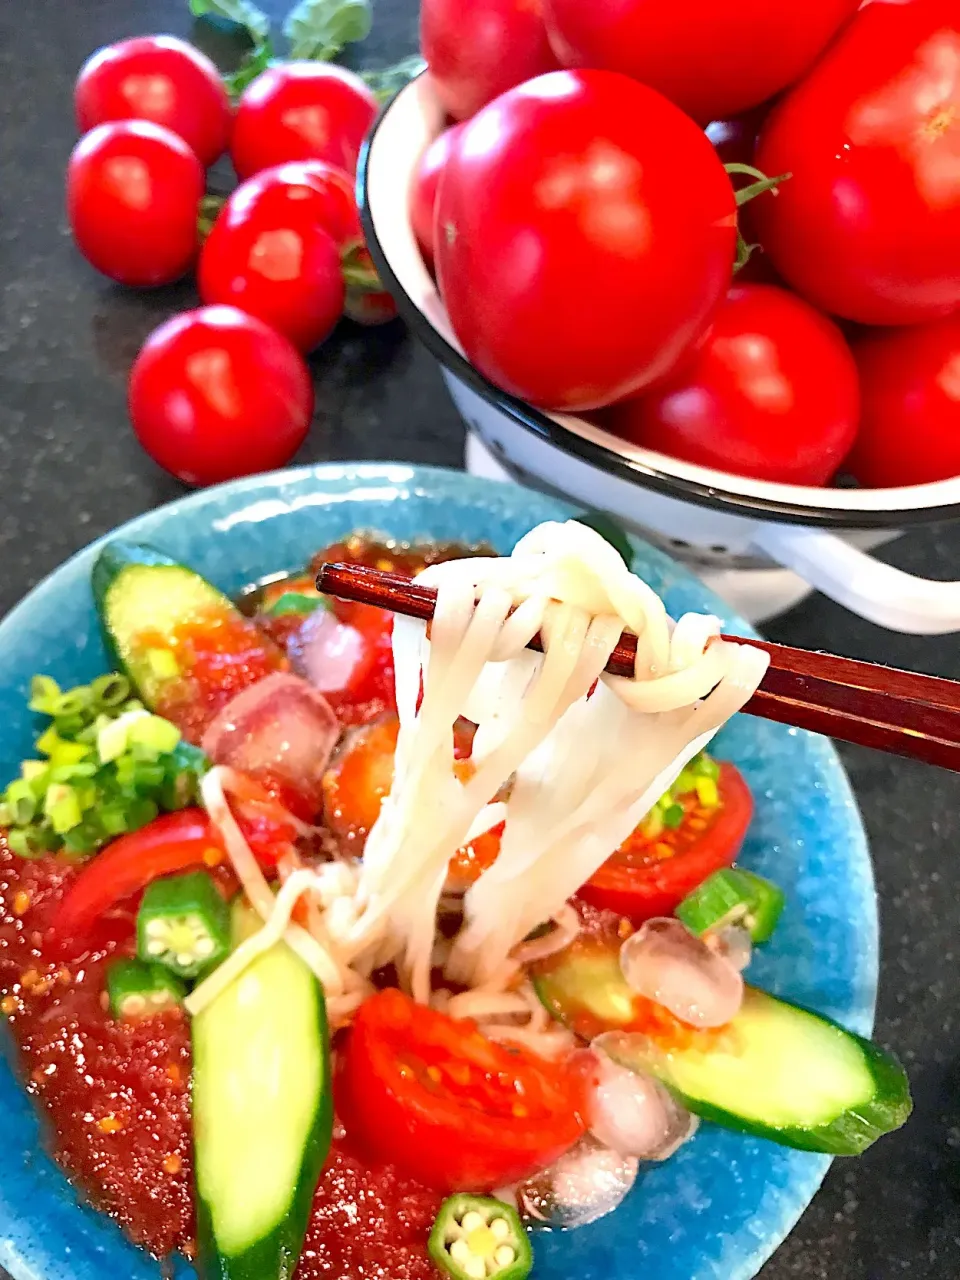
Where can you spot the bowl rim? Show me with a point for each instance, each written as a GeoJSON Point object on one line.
{"type": "Point", "coordinates": [714, 490]}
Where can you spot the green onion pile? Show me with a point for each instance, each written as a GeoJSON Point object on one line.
{"type": "Point", "coordinates": [109, 766]}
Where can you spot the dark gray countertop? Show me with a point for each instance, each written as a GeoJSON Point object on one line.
{"type": "Point", "coordinates": [71, 470]}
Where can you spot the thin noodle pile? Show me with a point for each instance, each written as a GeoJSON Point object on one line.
{"type": "Point", "coordinates": [583, 769]}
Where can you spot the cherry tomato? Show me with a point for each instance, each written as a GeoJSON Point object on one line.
{"type": "Point", "coordinates": [301, 111]}
{"type": "Point", "coordinates": [771, 393]}
{"type": "Point", "coordinates": [133, 189]}
{"type": "Point", "coordinates": [559, 204]}
{"type": "Point", "coordinates": [269, 255]}
{"type": "Point", "coordinates": [158, 78]}
{"type": "Point", "coordinates": [423, 192]}
{"type": "Point", "coordinates": [713, 58]}
{"type": "Point", "coordinates": [438, 1099]}
{"type": "Point", "coordinates": [216, 394]}
{"type": "Point", "coordinates": [358, 779]}
{"type": "Point", "coordinates": [650, 876]}
{"type": "Point", "coordinates": [910, 420]}
{"type": "Point", "coordinates": [868, 227]}
{"type": "Point", "coordinates": [477, 49]}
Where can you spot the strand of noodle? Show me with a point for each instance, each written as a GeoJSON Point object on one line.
{"type": "Point", "coordinates": [483, 1005]}
{"type": "Point", "coordinates": [266, 937]}
{"type": "Point", "coordinates": [254, 883]}
{"type": "Point", "coordinates": [553, 1044]}
{"type": "Point", "coordinates": [566, 927]}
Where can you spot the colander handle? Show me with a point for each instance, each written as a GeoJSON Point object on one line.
{"type": "Point", "coordinates": [884, 595]}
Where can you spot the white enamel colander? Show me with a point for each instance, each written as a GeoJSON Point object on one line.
{"type": "Point", "coordinates": [763, 546]}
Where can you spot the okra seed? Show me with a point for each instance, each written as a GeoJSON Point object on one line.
{"type": "Point", "coordinates": [460, 1251]}
{"type": "Point", "coordinates": [500, 1228]}
{"type": "Point", "coordinates": [156, 928]}
{"type": "Point", "coordinates": [475, 1268]}
{"type": "Point", "coordinates": [156, 947]}
{"type": "Point", "coordinates": [472, 1220]}
{"type": "Point", "coordinates": [504, 1256]}
{"type": "Point", "coordinates": [204, 946]}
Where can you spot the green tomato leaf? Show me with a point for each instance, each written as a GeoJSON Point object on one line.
{"type": "Point", "coordinates": [319, 29]}
{"type": "Point", "coordinates": [384, 82]}
{"type": "Point", "coordinates": [253, 63]}
{"type": "Point", "coordinates": [241, 12]}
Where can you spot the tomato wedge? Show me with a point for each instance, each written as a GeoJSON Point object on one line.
{"type": "Point", "coordinates": [171, 843]}
{"type": "Point", "coordinates": [651, 875]}
{"type": "Point", "coordinates": [445, 1104]}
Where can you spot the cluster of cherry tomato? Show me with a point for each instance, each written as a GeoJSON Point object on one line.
{"type": "Point", "coordinates": [224, 390]}
{"type": "Point", "coordinates": [582, 226]}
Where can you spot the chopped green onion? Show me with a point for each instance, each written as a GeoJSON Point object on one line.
{"type": "Point", "coordinates": [155, 733]}
{"type": "Point", "coordinates": [163, 663]}
{"type": "Point", "coordinates": [44, 691]}
{"type": "Point", "coordinates": [71, 772]}
{"type": "Point", "coordinates": [673, 816]}
{"type": "Point", "coordinates": [22, 801]}
{"type": "Point", "coordinates": [706, 766]}
{"type": "Point", "coordinates": [19, 842]}
{"type": "Point", "coordinates": [110, 691]}
{"type": "Point", "coordinates": [62, 807]}
{"type": "Point", "coordinates": [141, 811]}
{"type": "Point", "coordinates": [31, 769]}
{"type": "Point", "coordinates": [75, 702]}
{"type": "Point", "coordinates": [113, 819]}
{"type": "Point", "coordinates": [69, 726]}
{"type": "Point", "coordinates": [294, 602]}
{"type": "Point", "coordinates": [83, 839]}
{"type": "Point", "coordinates": [686, 783]}
{"type": "Point", "coordinates": [708, 793]}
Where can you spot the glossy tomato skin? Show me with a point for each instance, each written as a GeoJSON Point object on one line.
{"type": "Point", "coordinates": [301, 111]}
{"type": "Point", "coordinates": [157, 78]}
{"type": "Point", "coordinates": [713, 58]}
{"type": "Point", "coordinates": [910, 421]}
{"type": "Point", "coordinates": [133, 189]}
{"type": "Point", "coordinates": [270, 255]}
{"type": "Point", "coordinates": [478, 49]}
{"type": "Point", "coordinates": [458, 1126]}
{"type": "Point", "coordinates": [575, 268]}
{"type": "Point", "coordinates": [423, 192]}
{"type": "Point", "coordinates": [216, 394]}
{"type": "Point", "coordinates": [868, 227]}
{"type": "Point", "coordinates": [772, 393]}
{"type": "Point", "coordinates": [647, 892]}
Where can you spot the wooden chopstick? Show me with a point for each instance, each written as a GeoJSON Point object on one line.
{"type": "Point", "coordinates": [899, 712]}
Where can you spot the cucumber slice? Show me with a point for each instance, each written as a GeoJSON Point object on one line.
{"type": "Point", "coordinates": [262, 1115]}
{"type": "Point", "coordinates": [777, 1071]}
{"type": "Point", "coordinates": [142, 597]}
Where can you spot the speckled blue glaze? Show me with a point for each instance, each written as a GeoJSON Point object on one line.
{"type": "Point", "coordinates": [720, 1207]}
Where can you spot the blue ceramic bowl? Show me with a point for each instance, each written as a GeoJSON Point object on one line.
{"type": "Point", "coordinates": [723, 1204]}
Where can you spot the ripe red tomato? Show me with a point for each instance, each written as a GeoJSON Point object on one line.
{"type": "Point", "coordinates": [910, 420]}
{"type": "Point", "coordinates": [641, 881]}
{"type": "Point", "coordinates": [301, 111]}
{"type": "Point", "coordinates": [771, 393]}
{"type": "Point", "coordinates": [438, 1099]}
{"type": "Point", "coordinates": [575, 268]}
{"type": "Point", "coordinates": [216, 394]}
{"type": "Point", "coordinates": [423, 193]}
{"type": "Point", "coordinates": [713, 58]}
{"type": "Point", "coordinates": [133, 190]}
{"type": "Point", "coordinates": [868, 227]}
{"type": "Point", "coordinates": [477, 49]}
{"type": "Point", "coordinates": [158, 78]}
{"type": "Point", "coordinates": [270, 255]}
